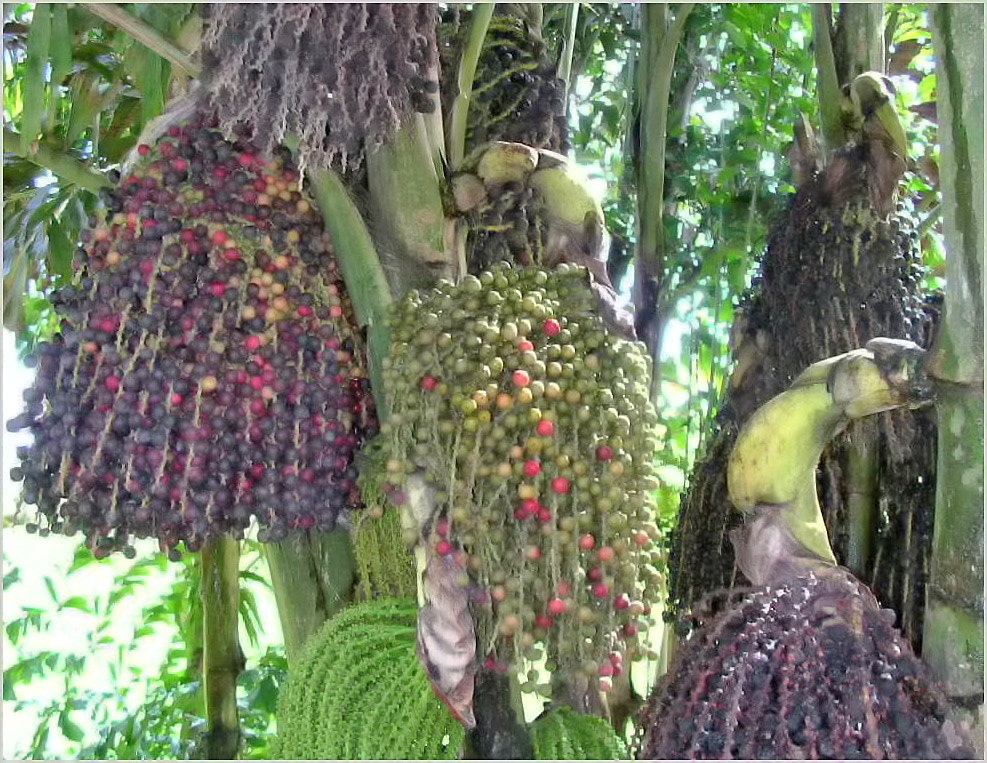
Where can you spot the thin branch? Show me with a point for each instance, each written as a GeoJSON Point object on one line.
{"type": "Point", "coordinates": [65, 167]}
{"type": "Point", "coordinates": [145, 34]}
{"type": "Point", "coordinates": [479, 22]}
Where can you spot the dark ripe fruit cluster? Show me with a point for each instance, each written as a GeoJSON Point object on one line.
{"type": "Point", "coordinates": [507, 227]}
{"type": "Point", "coordinates": [517, 95]}
{"type": "Point", "coordinates": [812, 669]}
{"type": "Point", "coordinates": [341, 77]}
{"type": "Point", "coordinates": [532, 426]}
{"type": "Point", "coordinates": [207, 368]}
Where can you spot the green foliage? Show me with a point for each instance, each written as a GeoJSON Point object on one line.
{"type": "Point", "coordinates": [358, 692]}
{"type": "Point", "coordinates": [77, 92]}
{"type": "Point", "coordinates": [108, 701]}
{"type": "Point", "coordinates": [563, 734]}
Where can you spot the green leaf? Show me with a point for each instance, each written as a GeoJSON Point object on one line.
{"type": "Point", "coordinates": [50, 585]}
{"type": "Point", "coordinates": [59, 251]}
{"type": "Point", "coordinates": [69, 728]}
{"type": "Point", "coordinates": [77, 602]}
{"type": "Point", "coordinates": [38, 40]}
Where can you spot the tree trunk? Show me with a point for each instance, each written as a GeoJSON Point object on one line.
{"type": "Point", "coordinates": [954, 630]}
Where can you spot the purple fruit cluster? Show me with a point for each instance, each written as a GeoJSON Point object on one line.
{"type": "Point", "coordinates": [207, 369]}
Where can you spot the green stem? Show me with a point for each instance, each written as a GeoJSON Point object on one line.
{"type": "Point", "coordinates": [146, 35]}
{"type": "Point", "coordinates": [861, 496]}
{"type": "Point", "coordinates": [222, 658]}
{"type": "Point", "coordinates": [361, 269]}
{"type": "Point", "coordinates": [68, 169]}
{"type": "Point", "coordinates": [456, 136]}
{"type": "Point", "coordinates": [565, 65]}
{"type": "Point", "coordinates": [312, 576]}
{"type": "Point", "coordinates": [828, 87]}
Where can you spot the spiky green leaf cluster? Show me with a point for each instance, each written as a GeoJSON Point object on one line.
{"type": "Point", "coordinates": [531, 425]}
{"type": "Point", "coordinates": [563, 734]}
{"type": "Point", "coordinates": [358, 692]}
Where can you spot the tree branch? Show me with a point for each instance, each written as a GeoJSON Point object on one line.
{"type": "Point", "coordinates": [64, 166]}
{"type": "Point", "coordinates": [565, 65]}
{"type": "Point", "coordinates": [146, 35]}
{"type": "Point", "coordinates": [828, 88]}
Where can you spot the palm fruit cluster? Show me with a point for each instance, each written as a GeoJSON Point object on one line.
{"type": "Point", "coordinates": [340, 77]}
{"type": "Point", "coordinates": [809, 669]}
{"type": "Point", "coordinates": [529, 427]}
{"type": "Point", "coordinates": [836, 273]}
{"type": "Point", "coordinates": [207, 368]}
{"type": "Point", "coordinates": [357, 692]}
{"type": "Point", "coordinates": [517, 95]}
{"type": "Point", "coordinates": [563, 734]}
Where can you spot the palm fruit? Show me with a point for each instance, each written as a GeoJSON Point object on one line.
{"type": "Point", "coordinates": [525, 431]}
{"type": "Point", "coordinates": [341, 77]}
{"type": "Point", "coordinates": [207, 368]}
{"type": "Point", "coordinates": [563, 734]}
{"type": "Point", "coordinates": [517, 95]}
{"type": "Point", "coordinates": [809, 668]}
{"type": "Point", "coordinates": [357, 692]}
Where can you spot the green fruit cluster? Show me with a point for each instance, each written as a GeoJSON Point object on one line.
{"type": "Point", "coordinates": [563, 734]}
{"type": "Point", "coordinates": [531, 427]}
{"type": "Point", "coordinates": [358, 692]}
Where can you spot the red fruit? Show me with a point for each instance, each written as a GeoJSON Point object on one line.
{"type": "Point", "coordinates": [551, 327]}
{"type": "Point", "coordinates": [252, 343]}
{"type": "Point", "coordinates": [520, 514]}
{"type": "Point", "coordinates": [545, 428]}
{"type": "Point", "coordinates": [604, 453]}
{"type": "Point", "coordinates": [442, 527]}
{"type": "Point", "coordinates": [179, 165]}
{"type": "Point", "coordinates": [606, 670]}
{"type": "Point", "coordinates": [605, 554]}
{"type": "Point", "coordinates": [443, 547]}
{"type": "Point", "coordinates": [594, 573]}
{"type": "Point", "coordinates": [524, 345]}
{"type": "Point", "coordinates": [556, 607]}
{"type": "Point", "coordinates": [232, 254]}
{"type": "Point", "coordinates": [520, 378]}
{"type": "Point", "coordinates": [174, 131]}
{"type": "Point", "coordinates": [143, 149]}
{"type": "Point", "coordinates": [616, 658]}
{"type": "Point", "coordinates": [544, 621]}
{"type": "Point", "coordinates": [219, 237]}
{"type": "Point", "coordinates": [217, 288]}
{"type": "Point", "coordinates": [533, 553]}
{"type": "Point", "coordinates": [587, 542]}
{"type": "Point", "coordinates": [429, 383]}
{"type": "Point", "coordinates": [630, 629]}
{"type": "Point", "coordinates": [245, 160]}
{"type": "Point", "coordinates": [621, 602]}
{"type": "Point", "coordinates": [641, 539]}
{"type": "Point", "coordinates": [545, 514]}
{"type": "Point", "coordinates": [600, 590]}
{"type": "Point", "coordinates": [112, 383]}
{"type": "Point", "coordinates": [560, 485]}
{"type": "Point", "coordinates": [531, 468]}
{"type": "Point", "coordinates": [563, 589]}
{"type": "Point", "coordinates": [176, 399]}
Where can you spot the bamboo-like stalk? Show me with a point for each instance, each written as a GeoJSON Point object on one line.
{"type": "Point", "coordinates": [953, 638]}
{"type": "Point", "coordinates": [68, 169]}
{"type": "Point", "coordinates": [222, 658]}
{"type": "Point", "coordinates": [456, 134]}
{"type": "Point", "coordinates": [146, 35]}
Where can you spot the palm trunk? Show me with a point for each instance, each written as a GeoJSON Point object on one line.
{"type": "Point", "coordinates": [954, 629]}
